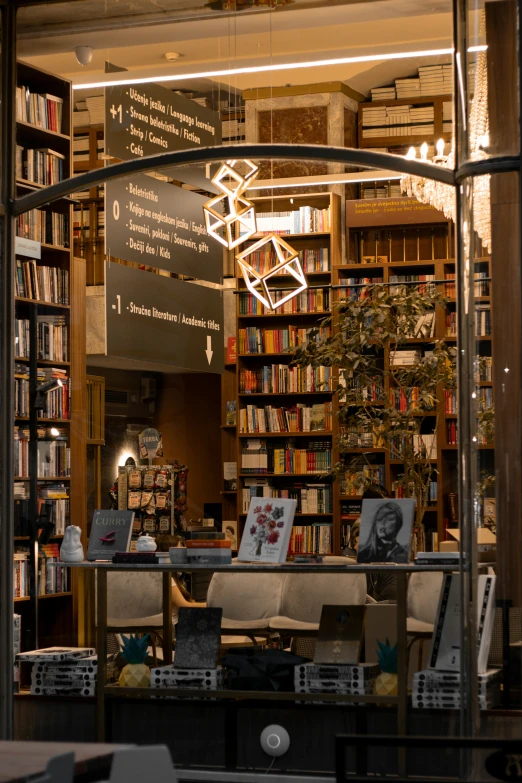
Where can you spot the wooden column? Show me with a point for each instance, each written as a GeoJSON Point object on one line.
{"type": "Point", "coordinates": [506, 304]}
{"type": "Point", "coordinates": [78, 490]}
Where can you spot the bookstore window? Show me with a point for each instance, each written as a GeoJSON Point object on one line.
{"type": "Point", "coordinates": [173, 367]}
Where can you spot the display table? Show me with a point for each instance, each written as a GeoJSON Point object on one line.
{"type": "Point", "coordinates": [169, 570]}
{"type": "Point", "coordinates": [22, 760]}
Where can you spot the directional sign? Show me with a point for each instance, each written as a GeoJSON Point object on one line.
{"type": "Point", "coordinates": [147, 119]}
{"type": "Point", "coordinates": [160, 225]}
{"type": "Point", "coordinates": [160, 319]}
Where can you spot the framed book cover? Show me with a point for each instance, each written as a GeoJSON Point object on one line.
{"type": "Point", "coordinates": [267, 532]}
{"type": "Point", "coordinates": [386, 529]}
{"type": "Point", "coordinates": [198, 636]}
{"type": "Point", "coordinates": [111, 532]}
{"type": "Point", "coordinates": [340, 636]}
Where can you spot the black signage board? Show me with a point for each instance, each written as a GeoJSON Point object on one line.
{"type": "Point", "coordinates": [158, 224]}
{"type": "Point", "coordinates": [146, 119]}
{"type": "Point", "coordinates": [160, 319]}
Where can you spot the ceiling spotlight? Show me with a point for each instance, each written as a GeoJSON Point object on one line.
{"type": "Point", "coordinates": [84, 54]}
{"type": "Point", "coordinates": [172, 56]}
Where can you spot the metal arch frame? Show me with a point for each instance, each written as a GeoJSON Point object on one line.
{"type": "Point", "coordinates": [316, 152]}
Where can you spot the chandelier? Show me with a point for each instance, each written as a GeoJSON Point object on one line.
{"type": "Point", "coordinates": [238, 224]}
{"type": "Point", "coordinates": [442, 196]}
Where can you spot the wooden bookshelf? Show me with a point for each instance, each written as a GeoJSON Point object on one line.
{"type": "Point", "coordinates": [232, 438]}
{"type": "Point", "coordinates": [434, 101]}
{"type": "Point", "coordinates": [55, 625]}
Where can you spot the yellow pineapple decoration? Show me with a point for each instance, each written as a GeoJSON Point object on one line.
{"type": "Point", "coordinates": [386, 682]}
{"type": "Point", "coordinates": [136, 674]}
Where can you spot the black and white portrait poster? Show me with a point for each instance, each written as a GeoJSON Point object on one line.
{"type": "Point", "coordinates": [386, 528]}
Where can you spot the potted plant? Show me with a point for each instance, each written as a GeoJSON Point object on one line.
{"type": "Point", "coordinates": [384, 402]}
{"type": "Point", "coordinates": [386, 682]}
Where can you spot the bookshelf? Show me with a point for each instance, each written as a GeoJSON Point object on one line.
{"type": "Point", "coordinates": [89, 214]}
{"type": "Point", "coordinates": [393, 125]}
{"type": "Point", "coordinates": [49, 350]}
{"type": "Point", "coordinates": [417, 251]}
{"type": "Point", "coordinates": [261, 379]}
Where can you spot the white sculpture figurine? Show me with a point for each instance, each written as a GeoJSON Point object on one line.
{"type": "Point", "coordinates": [146, 544]}
{"type": "Point", "coordinates": [71, 550]}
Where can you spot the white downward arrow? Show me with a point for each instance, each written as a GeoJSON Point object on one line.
{"type": "Point", "coordinates": [209, 350]}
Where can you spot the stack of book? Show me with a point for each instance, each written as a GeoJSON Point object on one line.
{"type": "Point", "coordinates": [209, 548]}
{"type": "Point", "coordinates": [343, 679]}
{"type": "Point", "coordinates": [383, 93]}
{"type": "Point", "coordinates": [305, 220]}
{"type": "Point", "coordinates": [408, 88]}
{"type": "Point", "coordinates": [233, 129]}
{"type": "Point", "coordinates": [447, 117]}
{"type": "Point", "coordinates": [187, 679]}
{"type": "Point", "coordinates": [447, 76]}
{"type": "Point", "coordinates": [440, 690]}
{"type": "Point", "coordinates": [80, 149]}
{"type": "Point", "coordinates": [96, 109]}
{"type": "Point", "coordinates": [431, 79]}
{"type": "Point", "coordinates": [422, 121]}
{"type": "Point", "coordinates": [405, 358]}
{"type": "Point", "coordinates": [62, 671]}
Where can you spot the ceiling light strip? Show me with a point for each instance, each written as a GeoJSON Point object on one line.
{"type": "Point", "coordinates": [366, 58]}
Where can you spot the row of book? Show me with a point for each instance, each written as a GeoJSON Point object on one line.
{"type": "Point", "coordinates": [482, 322]}
{"type": "Point", "coordinates": [484, 397]}
{"type": "Point", "coordinates": [424, 445]}
{"type": "Point", "coordinates": [298, 418]}
{"type": "Point", "coordinates": [314, 300]}
{"type": "Point", "coordinates": [42, 110]}
{"type": "Point", "coordinates": [254, 340]}
{"type": "Point", "coordinates": [44, 283]}
{"type": "Point", "coordinates": [356, 287]}
{"type": "Point", "coordinates": [52, 577]}
{"type": "Point", "coordinates": [481, 287]}
{"type": "Point", "coordinates": [22, 338]}
{"type": "Point", "coordinates": [21, 451]}
{"type": "Point", "coordinates": [440, 690]}
{"type": "Point", "coordinates": [311, 498]}
{"type": "Point", "coordinates": [485, 370]}
{"type": "Point", "coordinates": [54, 404]}
{"type": "Point", "coordinates": [398, 490]}
{"type": "Point", "coordinates": [314, 539]}
{"type": "Point", "coordinates": [282, 379]}
{"type": "Point", "coordinates": [381, 191]}
{"type": "Point", "coordinates": [51, 228]}
{"type": "Point", "coordinates": [53, 458]}
{"type": "Point", "coordinates": [21, 391]}
{"type": "Point", "coordinates": [53, 501]}
{"type": "Point", "coordinates": [404, 399]}
{"type": "Point", "coordinates": [43, 166]}
{"type": "Point", "coordinates": [356, 437]}
{"type": "Point", "coordinates": [393, 121]}
{"type": "Point", "coordinates": [52, 338]}
{"type": "Point", "coordinates": [260, 456]}
{"type": "Point", "coordinates": [312, 260]}
{"type": "Point", "coordinates": [362, 389]}
{"type": "Point", "coordinates": [305, 220]}
{"type": "Point", "coordinates": [21, 573]}
{"type": "Point", "coordinates": [421, 279]}
{"type": "Point", "coordinates": [431, 80]}
{"type": "Point", "coordinates": [354, 482]}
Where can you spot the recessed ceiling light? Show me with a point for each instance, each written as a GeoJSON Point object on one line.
{"type": "Point", "coordinates": [171, 56]}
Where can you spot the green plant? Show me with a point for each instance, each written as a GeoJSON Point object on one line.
{"type": "Point", "coordinates": [134, 648]}
{"type": "Point", "coordinates": [367, 333]}
{"type": "Point", "coordinates": [387, 657]}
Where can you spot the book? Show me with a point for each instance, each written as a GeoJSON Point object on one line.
{"type": "Point", "coordinates": [231, 350]}
{"type": "Point", "coordinates": [445, 647]}
{"type": "Point", "coordinates": [340, 635]}
{"type": "Point", "coordinates": [111, 532]}
{"type": "Point", "coordinates": [48, 654]}
{"type": "Point", "coordinates": [198, 636]}
{"type": "Point", "coordinates": [210, 543]}
{"type": "Point", "coordinates": [231, 412]}
{"type": "Point", "coordinates": [267, 532]}
{"type": "Point", "coordinates": [385, 532]}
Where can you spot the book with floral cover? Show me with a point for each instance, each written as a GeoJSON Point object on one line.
{"type": "Point", "coordinates": [267, 532]}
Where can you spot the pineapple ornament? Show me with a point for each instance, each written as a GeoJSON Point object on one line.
{"type": "Point", "coordinates": [136, 674]}
{"type": "Point", "coordinates": [386, 682]}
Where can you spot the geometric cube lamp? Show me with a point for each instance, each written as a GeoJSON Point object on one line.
{"type": "Point", "coordinates": [288, 262]}
{"type": "Point", "coordinates": [224, 225]}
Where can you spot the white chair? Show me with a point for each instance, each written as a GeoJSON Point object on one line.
{"type": "Point", "coordinates": [136, 765]}
{"type": "Point", "coordinates": [59, 769]}
{"type": "Point", "coordinates": [249, 601]}
{"type": "Point", "coordinates": [304, 596]}
{"type": "Point", "coordinates": [423, 601]}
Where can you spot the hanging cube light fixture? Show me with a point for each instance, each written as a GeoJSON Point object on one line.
{"type": "Point", "coordinates": [288, 263]}
{"type": "Point", "coordinates": [240, 216]}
